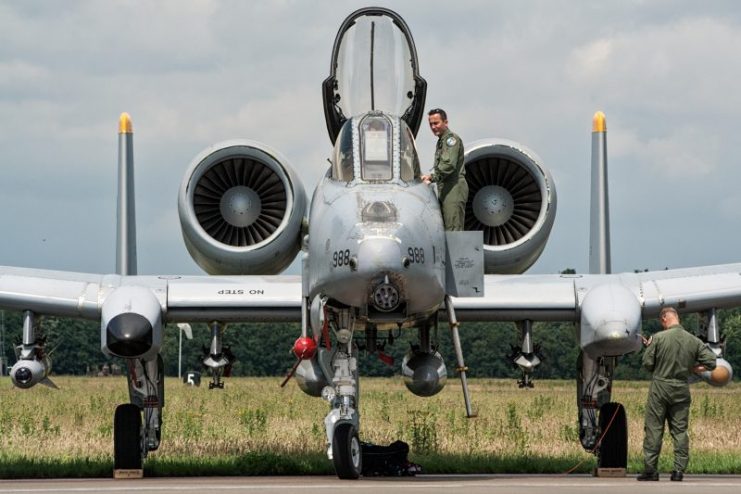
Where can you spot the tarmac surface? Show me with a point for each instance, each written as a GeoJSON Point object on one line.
{"type": "Point", "coordinates": [468, 484]}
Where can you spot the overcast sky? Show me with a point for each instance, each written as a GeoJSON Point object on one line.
{"type": "Point", "coordinates": [194, 73]}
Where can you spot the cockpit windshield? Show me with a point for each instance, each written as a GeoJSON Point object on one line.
{"type": "Point", "coordinates": [373, 138]}
{"type": "Point", "coordinates": [375, 145]}
{"type": "Point", "coordinates": [342, 164]}
{"type": "Point", "coordinates": [410, 169]}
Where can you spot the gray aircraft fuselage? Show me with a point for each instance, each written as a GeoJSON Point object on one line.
{"type": "Point", "coordinates": [365, 235]}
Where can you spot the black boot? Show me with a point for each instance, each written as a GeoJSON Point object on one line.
{"type": "Point", "coordinates": [677, 476]}
{"type": "Point", "coordinates": [648, 476]}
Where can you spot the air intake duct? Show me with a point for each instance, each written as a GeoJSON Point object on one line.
{"type": "Point", "coordinates": [512, 200]}
{"type": "Point", "coordinates": [241, 207]}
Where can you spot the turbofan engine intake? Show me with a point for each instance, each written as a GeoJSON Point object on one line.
{"type": "Point", "coordinates": [241, 208]}
{"type": "Point", "coordinates": [512, 200]}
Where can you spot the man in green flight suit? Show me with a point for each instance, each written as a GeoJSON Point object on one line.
{"type": "Point", "coordinates": [670, 355]}
{"type": "Point", "coordinates": [448, 172]}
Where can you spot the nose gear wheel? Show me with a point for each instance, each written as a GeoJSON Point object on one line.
{"type": "Point", "coordinates": [347, 457]}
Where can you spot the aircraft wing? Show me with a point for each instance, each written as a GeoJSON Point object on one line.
{"type": "Point", "coordinates": [182, 298]}
{"type": "Point", "coordinates": [234, 298]}
{"type": "Point", "coordinates": [558, 297]}
{"type": "Point", "coordinates": [278, 298]}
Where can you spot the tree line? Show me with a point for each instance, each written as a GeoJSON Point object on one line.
{"type": "Point", "coordinates": [265, 349]}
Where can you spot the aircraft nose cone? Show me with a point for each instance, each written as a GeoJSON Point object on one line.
{"type": "Point", "coordinates": [240, 206]}
{"type": "Point", "coordinates": [379, 254]}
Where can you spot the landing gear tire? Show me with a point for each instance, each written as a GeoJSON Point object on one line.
{"type": "Point", "coordinates": [613, 451]}
{"type": "Point", "coordinates": [346, 453]}
{"type": "Point", "coordinates": [127, 424]}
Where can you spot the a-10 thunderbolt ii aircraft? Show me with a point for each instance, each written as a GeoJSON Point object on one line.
{"type": "Point", "coordinates": [375, 259]}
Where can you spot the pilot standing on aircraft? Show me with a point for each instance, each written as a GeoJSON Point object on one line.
{"type": "Point", "coordinates": [670, 355]}
{"type": "Point", "coordinates": [448, 172]}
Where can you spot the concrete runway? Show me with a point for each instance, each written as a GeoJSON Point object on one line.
{"type": "Point", "coordinates": [470, 484]}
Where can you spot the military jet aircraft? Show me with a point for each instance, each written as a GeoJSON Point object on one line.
{"type": "Point", "coordinates": [375, 259]}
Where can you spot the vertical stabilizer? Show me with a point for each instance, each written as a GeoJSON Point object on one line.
{"type": "Point", "coordinates": [125, 214]}
{"type": "Point", "coordinates": [599, 225]}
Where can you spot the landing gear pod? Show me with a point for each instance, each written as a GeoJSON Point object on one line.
{"type": "Point", "coordinates": [131, 323]}
{"type": "Point", "coordinates": [610, 321]}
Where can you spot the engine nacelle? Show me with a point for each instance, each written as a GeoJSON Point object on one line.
{"type": "Point", "coordinates": [424, 373]}
{"type": "Point", "coordinates": [131, 323]}
{"type": "Point", "coordinates": [28, 373]}
{"type": "Point", "coordinates": [241, 209]}
{"type": "Point", "coordinates": [512, 199]}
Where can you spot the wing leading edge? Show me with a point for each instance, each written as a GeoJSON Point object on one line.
{"type": "Point", "coordinates": [186, 298]}
{"type": "Point", "coordinates": [558, 297]}
{"type": "Point", "coordinates": [278, 298]}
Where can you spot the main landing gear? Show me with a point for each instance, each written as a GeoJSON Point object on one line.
{"type": "Point", "coordinates": [605, 434]}
{"type": "Point", "coordinates": [133, 437]}
{"type": "Point", "coordinates": [127, 441]}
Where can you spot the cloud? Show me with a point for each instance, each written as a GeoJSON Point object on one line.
{"type": "Point", "coordinates": [684, 63]}
{"type": "Point", "coordinates": [195, 73]}
{"type": "Point", "coordinates": [685, 154]}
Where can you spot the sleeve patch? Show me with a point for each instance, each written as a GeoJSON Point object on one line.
{"type": "Point", "coordinates": [451, 141]}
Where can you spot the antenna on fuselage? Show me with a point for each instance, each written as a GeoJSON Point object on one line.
{"type": "Point", "coordinates": [372, 46]}
{"type": "Point", "coordinates": [125, 214]}
{"type": "Point", "coordinates": [599, 226]}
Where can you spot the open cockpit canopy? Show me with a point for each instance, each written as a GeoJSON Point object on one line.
{"type": "Point", "coordinates": [374, 68]}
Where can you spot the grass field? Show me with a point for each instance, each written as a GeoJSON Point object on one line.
{"type": "Point", "coordinates": [255, 427]}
